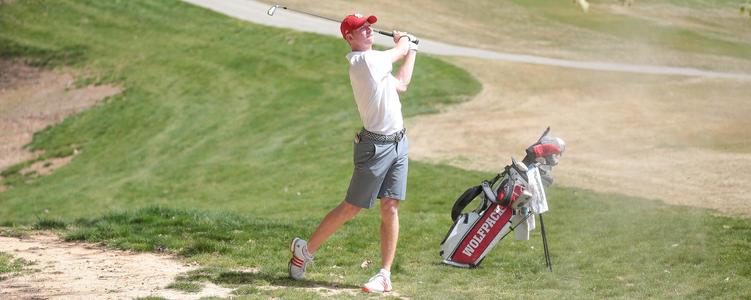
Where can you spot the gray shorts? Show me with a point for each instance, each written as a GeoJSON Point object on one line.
{"type": "Point", "coordinates": [380, 171]}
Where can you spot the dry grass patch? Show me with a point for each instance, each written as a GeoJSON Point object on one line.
{"type": "Point", "coordinates": [47, 166]}
{"type": "Point", "coordinates": [655, 33]}
{"type": "Point", "coordinates": [32, 99]}
{"type": "Point", "coordinates": [679, 139]}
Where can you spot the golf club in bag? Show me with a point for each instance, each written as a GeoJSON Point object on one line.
{"type": "Point", "coordinates": [274, 7]}
{"type": "Point", "coordinates": [508, 202]}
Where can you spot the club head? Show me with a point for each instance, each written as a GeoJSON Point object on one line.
{"type": "Point", "coordinates": [271, 10]}
{"type": "Point", "coordinates": [519, 165]}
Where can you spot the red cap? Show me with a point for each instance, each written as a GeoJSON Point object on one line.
{"type": "Point", "coordinates": [355, 21]}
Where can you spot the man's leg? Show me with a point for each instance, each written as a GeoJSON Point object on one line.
{"type": "Point", "coordinates": [389, 231]}
{"type": "Point", "coordinates": [302, 251]}
{"type": "Point", "coordinates": [331, 223]}
{"type": "Point", "coordinates": [381, 282]}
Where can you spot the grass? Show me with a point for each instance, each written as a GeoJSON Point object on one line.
{"type": "Point", "coordinates": [211, 131]}
{"type": "Point", "coordinates": [189, 287]}
{"type": "Point", "coordinates": [49, 224]}
{"type": "Point", "coordinates": [10, 266]}
{"type": "Point", "coordinates": [633, 29]}
{"type": "Point", "coordinates": [231, 138]}
{"type": "Point", "coordinates": [705, 34]}
{"type": "Point", "coordinates": [15, 175]}
{"type": "Point", "coordinates": [645, 249]}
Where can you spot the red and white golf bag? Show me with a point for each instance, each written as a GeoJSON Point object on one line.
{"type": "Point", "coordinates": [508, 202]}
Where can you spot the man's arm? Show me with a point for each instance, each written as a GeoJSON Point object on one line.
{"type": "Point", "coordinates": [400, 49]}
{"type": "Point", "coordinates": [405, 72]}
{"type": "Point", "coordinates": [404, 49]}
{"type": "Point", "coordinates": [404, 76]}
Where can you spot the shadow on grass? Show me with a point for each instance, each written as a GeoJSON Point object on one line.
{"type": "Point", "coordinates": [184, 232]}
{"type": "Point", "coordinates": [260, 278]}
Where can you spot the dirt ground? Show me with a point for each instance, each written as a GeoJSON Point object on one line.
{"type": "Point", "coordinates": [74, 270]}
{"type": "Point", "coordinates": [683, 140]}
{"type": "Point", "coordinates": [32, 99]}
{"type": "Point", "coordinates": [64, 270]}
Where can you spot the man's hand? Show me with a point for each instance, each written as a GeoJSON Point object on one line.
{"type": "Point", "coordinates": [398, 35]}
{"type": "Point", "coordinates": [411, 38]}
{"type": "Point", "coordinates": [413, 46]}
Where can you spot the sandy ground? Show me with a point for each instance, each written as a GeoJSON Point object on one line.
{"type": "Point", "coordinates": [32, 99]}
{"type": "Point", "coordinates": [64, 270]}
{"type": "Point", "coordinates": [679, 139]}
{"type": "Point", "coordinates": [74, 270]}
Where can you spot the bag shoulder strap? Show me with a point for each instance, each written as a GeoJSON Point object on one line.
{"type": "Point", "coordinates": [464, 200]}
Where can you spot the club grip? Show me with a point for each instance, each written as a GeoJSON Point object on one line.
{"type": "Point", "coordinates": [391, 34]}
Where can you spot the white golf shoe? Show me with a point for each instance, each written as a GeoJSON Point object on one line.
{"type": "Point", "coordinates": [380, 283]}
{"type": "Point", "coordinates": [300, 259]}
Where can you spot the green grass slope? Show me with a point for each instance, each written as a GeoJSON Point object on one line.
{"type": "Point", "coordinates": [232, 138]}
{"type": "Point", "coordinates": [217, 113]}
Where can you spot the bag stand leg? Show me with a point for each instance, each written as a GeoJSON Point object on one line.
{"type": "Point", "coordinates": [545, 245]}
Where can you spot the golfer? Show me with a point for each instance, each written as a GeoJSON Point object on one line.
{"type": "Point", "coordinates": [380, 148]}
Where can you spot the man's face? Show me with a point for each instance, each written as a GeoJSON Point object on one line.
{"type": "Point", "coordinates": [361, 39]}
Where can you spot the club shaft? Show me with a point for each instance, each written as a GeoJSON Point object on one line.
{"type": "Point", "coordinates": [545, 245]}
{"type": "Point", "coordinates": [309, 14]}
{"type": "Point", "coordinates": [391, 34]}
{"type": "Point", "coordinates": [386, 33]}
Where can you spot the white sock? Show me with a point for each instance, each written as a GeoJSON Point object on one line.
{"type": "Point", "coordinates": [306, 253]}
{"type": "Point", "coordinates": [385, 273]}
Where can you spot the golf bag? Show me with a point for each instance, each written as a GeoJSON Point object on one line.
{"type": "Point", "coordinates": [508, 202]}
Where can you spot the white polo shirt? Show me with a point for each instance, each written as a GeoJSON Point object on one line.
{"type": "Point", "coordinates": [375, 91]}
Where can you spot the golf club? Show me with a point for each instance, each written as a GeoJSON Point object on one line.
{"type": "Point", "coordinates": [273, 8]}
{"type": "Point", "coordinates": [545, 245]}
